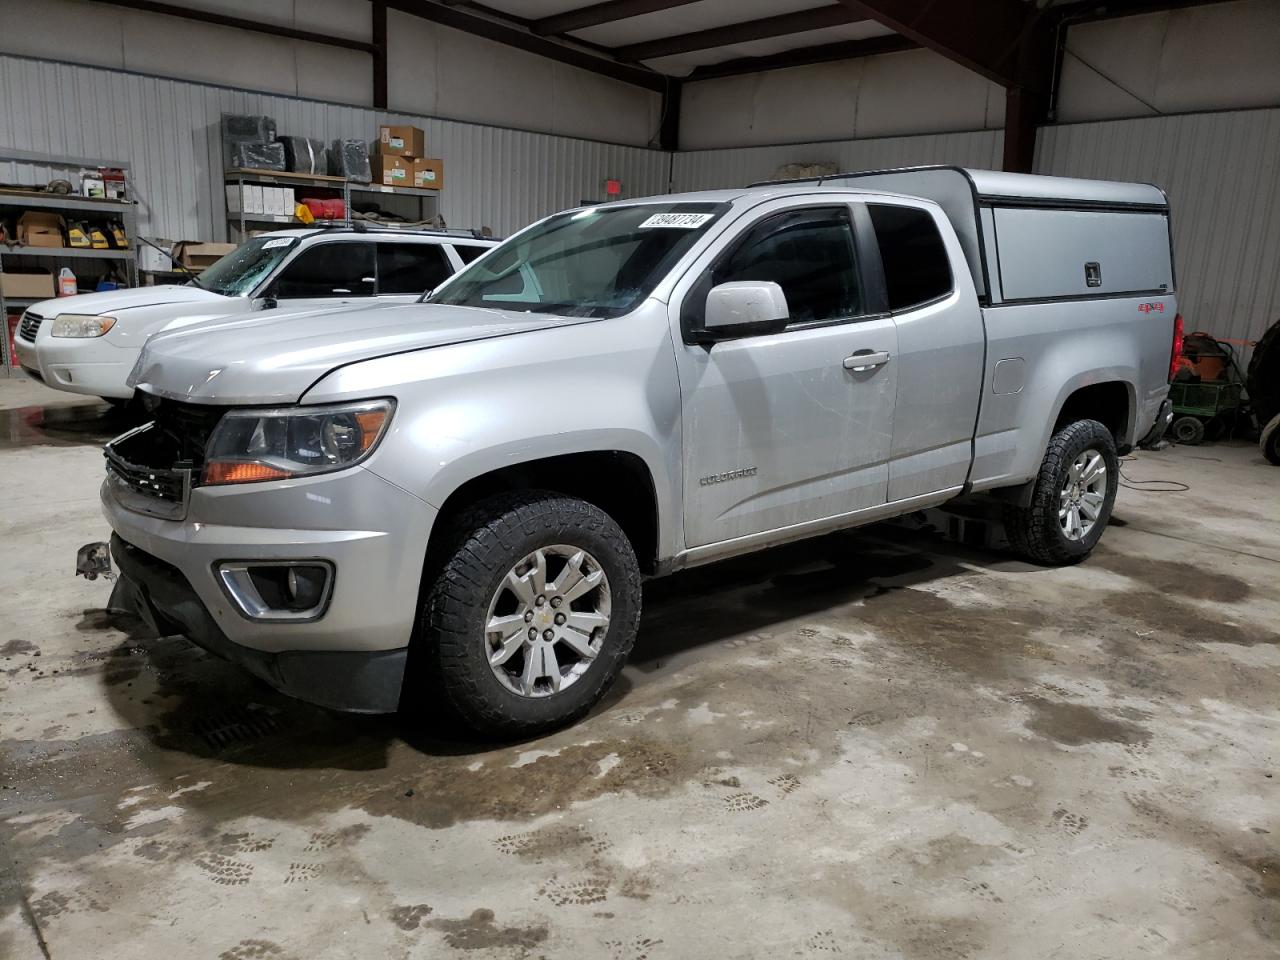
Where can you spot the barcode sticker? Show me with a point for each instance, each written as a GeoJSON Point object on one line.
{"type": "Point", "coordinates": [678, 221]}
{"type": "Point", "coordinates": [277, 242]}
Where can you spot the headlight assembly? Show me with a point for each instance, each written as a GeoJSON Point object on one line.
{"type": "Point", "coordinates": [253, 445]}
{"type": "Point", "coordinates": [81, 325]}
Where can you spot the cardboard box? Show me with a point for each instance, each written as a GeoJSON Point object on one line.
{"type": "Point", "coordinates": [196, 255]}
{"type": "Point", "coordinates": [280, 202]}
{"type": "Point", "coordinates": [428, 173]}
{"type": "Point", "coordinates": [151, 260]}
{"type": "Point", "coordinates": [254, 199]}
{"type": "Point", "coordinates": [37, 229]}
{"type": "Point", "coordinates": [392, 171]}
{"type": "Point", "coordinates": [233, 198]}
{"type": "Point", "coordinates": [35, 284]}
{"type": "Point", "coordinates": [401, 141]}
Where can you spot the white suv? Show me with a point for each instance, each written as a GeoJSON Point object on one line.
{"type": "Point", "coordinates": [89, 343]}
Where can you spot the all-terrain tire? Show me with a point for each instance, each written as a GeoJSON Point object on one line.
{"type": "Point", "coordinates": [1269, 442]}
{"type": "Point", "coordinates": [1035, 532]}
{"type": "Point", "coordinates": [487, 541]}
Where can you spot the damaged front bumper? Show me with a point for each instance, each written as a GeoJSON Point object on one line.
{"type": "Point", "coordinates": [159, 595]}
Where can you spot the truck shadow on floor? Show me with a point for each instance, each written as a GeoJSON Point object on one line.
{"type": "Point", "coordinates": [188, 701]}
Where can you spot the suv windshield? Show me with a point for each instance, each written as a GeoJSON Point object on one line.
{"type": "Point", "coordinates": [240, 270]}
{"type": "Point", "coordinates": [597, 262]}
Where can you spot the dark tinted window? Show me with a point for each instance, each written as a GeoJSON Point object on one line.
{"type": "Point", "coordinates": [810, 254]}
{"type": "Point", "coordinates": [411, 267]}
{"type": "Point", "coordinates": [916, 266]}
{"type": "Point", "coordinates": [469, 252]}
{"type": "Point", "coordinates": [329, 270]}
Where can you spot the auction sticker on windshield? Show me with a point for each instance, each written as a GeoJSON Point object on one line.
{"type": "Point", "coordinates": [277, 242]}
{"type": "Point", "coordinates": [681, 221]}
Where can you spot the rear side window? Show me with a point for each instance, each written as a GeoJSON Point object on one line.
{"type": "Point", "coordinates": [916, 266]}
{"type": "Point", "coordinates": [411, 267]}
{"type": "Point", "coordinates": [470, 252]}
{"type": "Point", "coordinates": [810, 254]}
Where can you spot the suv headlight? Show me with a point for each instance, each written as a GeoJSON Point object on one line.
{"type": "Point", "coordinates": [81, 325]}
{"type": "Point", "coordinates": [253, 445]}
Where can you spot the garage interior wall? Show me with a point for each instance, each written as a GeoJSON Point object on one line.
{"type": "Point", "coordinates": [431, 70]}
{"type": "Point", "coordinates": [168, 131]}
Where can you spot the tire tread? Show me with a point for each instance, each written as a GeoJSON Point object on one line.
{"type": "Point", "coordinates": [481, 537]}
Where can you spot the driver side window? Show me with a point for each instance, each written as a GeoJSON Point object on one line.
{"type": "Point", "coordinates": [810, 254]}
{"type": "Point", "coordinates": [329, 270]}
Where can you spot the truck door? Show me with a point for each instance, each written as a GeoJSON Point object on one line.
{"type": "Point", "coordinates": [794, 426]}
{"type": "Point", "coordinates": [941, 346]}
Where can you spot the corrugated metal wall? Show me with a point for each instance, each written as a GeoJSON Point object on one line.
{"type": "Point", "coordinates": [735, 167]}
{"type": "Point", "coordinates": [1222, 174]}
{"type": "Point", "coordinates": [168, 131]}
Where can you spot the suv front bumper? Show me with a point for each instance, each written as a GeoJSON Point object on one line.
{"type": "Point", "coordinates": [373, 535]}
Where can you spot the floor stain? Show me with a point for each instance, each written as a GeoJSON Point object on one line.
{"type": "Point", "coordinates": [480, 932]}
{"type": "Point", "coordinates": [1074, 724]}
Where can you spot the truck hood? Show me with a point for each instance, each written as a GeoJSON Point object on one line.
{"type": "Point", "coordinates": [261, 359]}
{"type": "Point", "coordinates": [111, 301]}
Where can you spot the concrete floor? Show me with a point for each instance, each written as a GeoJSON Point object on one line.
{"type": "Point", "coordinates": [880, 745]}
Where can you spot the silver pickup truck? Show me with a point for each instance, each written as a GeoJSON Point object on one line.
{"type": "Point", "coordinates": [477, 485]}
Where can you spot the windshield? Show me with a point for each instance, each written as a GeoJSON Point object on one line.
{"type": "Point", "coordinates": [597, 262]}
{"type": "Point", "coordinates": [236, 274]}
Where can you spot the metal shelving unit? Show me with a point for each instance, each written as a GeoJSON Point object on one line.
{"type": "Point", "coordinates": [271, 178]}
{"type": "Point", "coordinates": [14, 202]}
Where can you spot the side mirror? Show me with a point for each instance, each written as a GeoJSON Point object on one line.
{"type": "Point", "coordinates": [266, 303]}
{"type": "Point", "coordinates": [744, 307]}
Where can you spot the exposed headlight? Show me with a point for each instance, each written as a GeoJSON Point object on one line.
{"type": "Point", "coordinates": [253, 445]}
{"type": "Point", "coordinates": [81, 325]}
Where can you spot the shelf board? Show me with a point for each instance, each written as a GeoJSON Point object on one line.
{"type": "Point", "coordinates": [60, 253]}
{"type": "Point", "coordinates": [38, 200]}
{"type": "Point", "coordinates": [276, 176]}
{"type": "Point", "coordinates": [24, 301]}
{"type": "Point", "coordinates": [264, 218]}
{"type": "Point", "coordinates": [402, 191]}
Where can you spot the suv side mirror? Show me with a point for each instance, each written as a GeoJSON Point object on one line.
{"type": "Point", "coordinates": [744, 307]}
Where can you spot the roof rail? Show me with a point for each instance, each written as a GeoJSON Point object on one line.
{"type": "Point", "coordinates": [364, 226]}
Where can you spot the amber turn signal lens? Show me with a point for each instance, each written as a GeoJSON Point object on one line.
{"type": "Point", "coordinates": [370, 426]}
{"type": "Point", "coordinates": [225, 471]}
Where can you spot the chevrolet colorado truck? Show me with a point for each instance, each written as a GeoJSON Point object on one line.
{"type": "Point", "coordinates": [476, 486]}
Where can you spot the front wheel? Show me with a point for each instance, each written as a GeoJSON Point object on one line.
{"type": "Point", "coordinates": [533, 614]}
{"type": "Point", "coordinates": [1072, 498]}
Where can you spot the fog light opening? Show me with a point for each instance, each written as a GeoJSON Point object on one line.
{"type": "Point", "coordinates": [279, 590]}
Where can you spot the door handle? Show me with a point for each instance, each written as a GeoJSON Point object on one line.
{"type": "Point", "coordinates": [864, 360]}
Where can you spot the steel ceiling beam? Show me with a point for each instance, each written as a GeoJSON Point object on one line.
{"type": "Point", "coordinates": [817, 18]}
{"type": "Point", "coordinates": [805, 56]}
{"type": "Point", "coordinates": [239, 23]}
{"type": "Point", "coordinates": [514, 36]}
{"type": "Point", "coordinates": [598, 13]}
{"type": "Point", "coordinates": [985, 36]}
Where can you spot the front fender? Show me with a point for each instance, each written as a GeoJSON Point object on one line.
{"type": "Point", "coordinates": [469, 409]}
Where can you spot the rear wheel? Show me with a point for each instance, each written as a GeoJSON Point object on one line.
{"type": "Point", "coordinates": [533, 614]}
{"type": "Point", "coordinates": [1270, 440]}
{"type": "Point", "coordinates": [1072, 498]}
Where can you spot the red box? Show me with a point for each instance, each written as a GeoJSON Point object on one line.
{"type": "Point", "coordinates": [13, 332]}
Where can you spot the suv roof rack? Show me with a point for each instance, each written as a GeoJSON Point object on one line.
{"type": "Point", "coordinates": [364, 226]}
